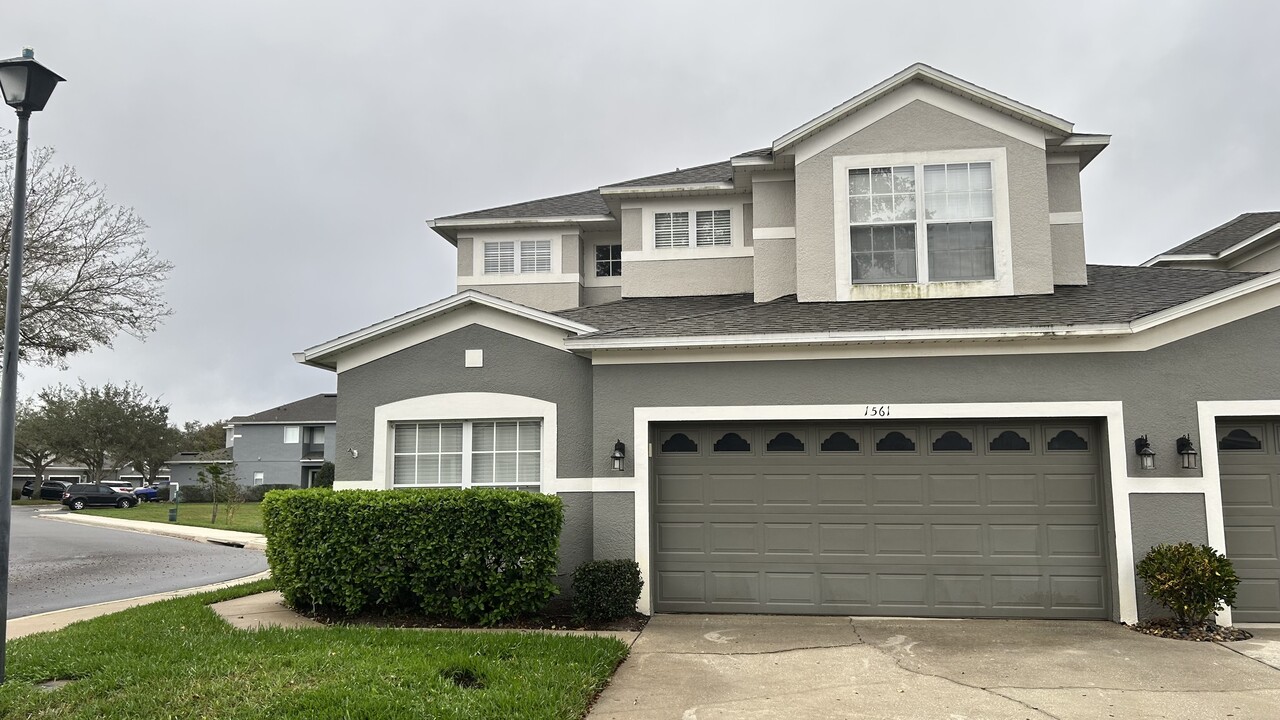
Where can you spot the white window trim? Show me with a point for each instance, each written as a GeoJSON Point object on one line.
{"type": "Point", "coordinates": [259, 478]}
{"type": "Point", "coordinates": [1002, 243]}
{"type": "Point", "coordinates": [736, 247]}
{"type": "Point", "coordinates": [518, 245]}
{"type": "Point", "coordinates": [296, 431]}
{"type": "Point", "coordinates": [589, 277]}
{"type": "Point", "coordinates": [447, 407]}
{"type": "Point", "coordinates": [467, 454]}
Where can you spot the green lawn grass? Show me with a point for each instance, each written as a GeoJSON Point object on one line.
{"type": "Point", "coordinates": [37, 501]}
{"type": "Point", "coordinates": [177, 660]}
{"type": "Point", "coordinates": [248, 516]}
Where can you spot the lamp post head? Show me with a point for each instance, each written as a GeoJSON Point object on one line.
{"type": "Point", "coordinates": [26, 84]}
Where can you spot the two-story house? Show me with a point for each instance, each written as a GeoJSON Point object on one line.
{"type": "Point", "coordinates": [862, 370]}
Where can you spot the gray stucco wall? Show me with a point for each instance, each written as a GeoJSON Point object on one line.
{"type": "Point", "coordinates": [511, 365]}
{"type": "Point", "coordinates": [1159, 387]}
{"type": "Point", "coordinates": [261, 448]}
{"type": "Point", "coordinates": [711, 276]}
{"type": "Point", "coordinates": [575, 536]}
{"type": "Point", "coordinates": [632, 230]}
{"type": "Point", "coordinates": [915, 128]}
{"type": "Point", "coordinates": [570, 254]}
{"type": "Point", "coordinates": [1164, 518]}
{"type": "Point", "coordinates": [544, 296]}
{"type": "Point", "coordinates": [614, 523]}
{"type": "Point", "coordinates": [466, 250]}
{"type": "Point", "coordinates": [775, 268]}
{"type": "Point", "coordinates": [1068, 255]}
{"type": "Point", "coordinates": [1064, 187]}
{"type": "Point", "coordinates": [601, 295]}
{"type": "Point", "coordinates": [774, 203]}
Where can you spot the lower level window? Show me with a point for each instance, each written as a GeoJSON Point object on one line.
{"type": "Point", "coordinates": [468, 453]}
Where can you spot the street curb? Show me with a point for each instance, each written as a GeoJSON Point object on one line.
{"type": "Point", "coordinates": [233, 538]}
{"type": "Point", "coordinates": [58, 619]}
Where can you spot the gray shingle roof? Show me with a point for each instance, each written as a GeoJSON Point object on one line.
{"type": "Point", "coordinates": [317, 408]}
{"type": "Point", "coordinates": [587, 202]}
{"type": "Point", "coordinates": [1114, 294]}
{"type": "Point", "coordinates": [712, 173]}
{"type": "Point", "coordinates": [1224, 236]}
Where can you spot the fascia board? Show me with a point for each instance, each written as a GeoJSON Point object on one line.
{"type": "Point", "coordinates": [521, 221]}
{"type": "Point", "coordinates": [655, 189]}
{"type": "Point", "coordinates": [316, 356]}
{"type": "Point", "coordinates": [1223, 255]}
{"type": "Point", "coordinates": [1179, 258]}
{"type": "Point", "coordinates": [921, 71]}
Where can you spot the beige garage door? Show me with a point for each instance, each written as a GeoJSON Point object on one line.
{"type": "Point", "coordinates": [953, 519]}
{"type": "Point", "coordinates": [1249, 459]}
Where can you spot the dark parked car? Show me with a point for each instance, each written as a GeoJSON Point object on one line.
{"type": "Point", "coordinates": [52, 489]}
{"type": "Point", "coordinates": [146, 493]}
{"type": "Point", "coordinates": [83, 495]}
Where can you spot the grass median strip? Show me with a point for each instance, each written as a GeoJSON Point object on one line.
{"type": "Point", "coordinates": [248, 516]}
{"type": "Point", "coordinates": [176, 659]}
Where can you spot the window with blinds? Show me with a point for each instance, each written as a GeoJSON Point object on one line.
{"type": "Point", "coordinates": [671, 230]}
{"type": "Point", "coordinates": [468, 453]}
{"type": "Point", "coordinates": [535, 256]}
{"type": "Point", "coordinates": [713, 228]}
{"type": "Point", "coordinates": [499, 257]}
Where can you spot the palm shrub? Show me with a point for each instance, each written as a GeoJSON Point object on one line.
{"type": "Point", "coordinates": [1193, 581]}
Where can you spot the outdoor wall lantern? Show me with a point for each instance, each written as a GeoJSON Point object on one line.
{"type": "Point", "coordinates": [25, 83]}
{"type": "Point", "coordinates": [1190, 458]}
{"type": "Point", "coordinates": [1145, 453]}
{"type": "Point", "coordinates": [619, 454]}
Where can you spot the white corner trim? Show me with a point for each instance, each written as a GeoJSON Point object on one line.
{"type": "Point", "coordinates": [1066, 218]}
{"type": "Point", "coordinates": [1063, 159]}
{"type": "Point", "coordinates": [458, 406]}
{"type": "Point", "coordinates": [620, 483]}
{"type": "Point", "coordinates": [321, 355]}
{"type": "Point", "coordinates": [1111, 411]}
{"type": "Point", "coordinates": [1209, 411]}
{"type": "Point", "coordinates": [774, 233]}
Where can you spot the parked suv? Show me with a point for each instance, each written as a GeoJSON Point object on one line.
{"type": "Point", "coordinates": [118, 485]}
{"type": "Point", "coordinates": [53, 489]}
{"type": "Point", "coordinates": [83, 495]}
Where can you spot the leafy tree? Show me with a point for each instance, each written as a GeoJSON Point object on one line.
{"type": "Point", "coordinates": [203, 437]}
{"type": "Point", "coordinates": [155, 441]}
{"type": "Point", "coordinates": [324, 476]}
{"type": "Point", "coordinates": [33, 443]}
{"type": "Point", "coordinates": [223, 487]}
{"type": "Point", "coordinates": [100, 428]}
{"type": "Point", "coordinates": [88, 273]}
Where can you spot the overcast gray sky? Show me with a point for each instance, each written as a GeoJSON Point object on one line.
{"type": "Point", "coordinates": [287, 154]}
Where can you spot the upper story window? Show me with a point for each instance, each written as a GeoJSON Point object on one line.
{"type": "Point", "coordinates": [710, 228]}
{"type": "Point", "coordinates": [921, 223]}
{"type": "Point", "coordinates": [517, 256]}
{"type": "Point", "coordinates": [292, 434]}
{"type": "Point", "coordinates": [608, 260]}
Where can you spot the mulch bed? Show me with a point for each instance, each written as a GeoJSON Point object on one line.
{"type": "Point", "coordinates": [1209, 632]}
{"type": "Point", "coordinates": [557, 615]}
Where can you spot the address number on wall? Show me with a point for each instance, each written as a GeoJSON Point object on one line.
{"type": "Point", "coordinates": [876, 411]}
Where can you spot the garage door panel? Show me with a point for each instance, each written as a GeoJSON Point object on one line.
{"type": "Point", "coordinates": [934, 531]}
{"type": "Point", "coordinates": [1249, 461]}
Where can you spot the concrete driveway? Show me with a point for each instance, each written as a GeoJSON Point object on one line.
{"type": "Point", "coordinates": [753, 666]}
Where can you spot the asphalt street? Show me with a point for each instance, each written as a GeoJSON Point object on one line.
{"type": "Point", "coordinates": [56, 565]}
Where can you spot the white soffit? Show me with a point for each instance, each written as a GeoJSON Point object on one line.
{"type": "Point", "coordinates": [939, 79]}
{"type": "Point", "coordinates": [454, 312]}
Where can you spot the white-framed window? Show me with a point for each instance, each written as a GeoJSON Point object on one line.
{"type": "Point", "coordinates": [292, 434]}
{"type": "Point", "coordinates": [922, 222]}
{"type": "Point", "coordinates": [315, 435]}
{"type": "Point", "coordinates": [712, 227]}
{"type": "Point", "coordinates": [259, 478]}
{"type": "Point", "coordinates": [671, 229]}
{"type": "Point", "coordinates": [467, 453]}
{"type": "Point", "coordinates": [608, 260]}
{"type": "Point", "coordinates": [500, 257]}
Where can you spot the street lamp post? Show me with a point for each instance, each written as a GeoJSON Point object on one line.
{"type": "Point", "coordinates": [26, 86]}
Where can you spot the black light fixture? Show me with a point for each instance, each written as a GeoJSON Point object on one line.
{"type": "Point", "coordinates": [1145, 453]}
{"type": "Point", "coordinates": [25, 83]}
{"type": "Point", "coordinates": [619, 454]}
{"type": "Point", "coordinates": [1190, 458]}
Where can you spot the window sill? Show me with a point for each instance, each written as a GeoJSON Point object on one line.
{"type": "Point", "coordinates": [914, 290]}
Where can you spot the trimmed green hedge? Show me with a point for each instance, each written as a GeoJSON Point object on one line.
{"type": "Point", "coordinates": [605, 590]}
{"type": "Point", "coordinates": [480, 556]}
{"type": "Point", "coordinates": [1193, 581]}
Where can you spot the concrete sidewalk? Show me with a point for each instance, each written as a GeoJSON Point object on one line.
{"type": "Point", "coordinates": [759, 666]}
{"type": "Point", "coordinates": [252, 541]}
{"type": "Point", "coordinates": [58, 619]}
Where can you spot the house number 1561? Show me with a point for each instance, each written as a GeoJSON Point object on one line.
{"type": "Point", "coordinates": [876, 411]}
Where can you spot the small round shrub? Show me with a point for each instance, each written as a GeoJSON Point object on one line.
{"type": "Point", "coordinates": [605, 590]}
{"type": "Point", "coordinates": [1193, 581]}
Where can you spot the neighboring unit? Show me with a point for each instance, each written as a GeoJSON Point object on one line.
{"type": "Point", "coordinates": [862, 371]}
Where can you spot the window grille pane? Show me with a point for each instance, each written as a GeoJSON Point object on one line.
{"type": "Point", "coordinates": [883, 253]}
{"type": "Point", "coordinates": [882, 194]}
{"type": "Point", "coordinates": [530, 436]}
{"type": "Point", "coordinates": [506, 433]}
{"type": "Point", "coordinates": [535, 256]}
{"type": "Point", "coordinates": [961, 251]}
{"type": "Point", "coordinates": [482, 437]}
{"type": "Point", "coordinates": [960, 191]}
{"type": "Point", "coordinates": [504, 467]}
{"type": "Point", "coordinates": [713, 228]}
{"type": "Point", "coordinates": [406, 438]}
{"type": "Point", "coordinates": [500, 257]}
{"type": "Point", "coordinates": [402, 472]}
{"type": "Point", "coordinates": [482, 468]}
{"type": "Point", "coordinates": [429, 438]}
{"type": "Point", "coordinates": [451, 469]}
{"type": "Point", "coordinates": [530, 467]}
{"type": "Point", "coordinates": [451, 437]}
{"type": "Point", "coordinates": [428, 469]}
{"type": "Point", "coordinates": [980, 176]}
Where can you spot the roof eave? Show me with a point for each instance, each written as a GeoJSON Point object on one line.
{"type": "Point", "coordinates": [1245, 244]}
{"type": "Point", "coordinates": [667, 189]}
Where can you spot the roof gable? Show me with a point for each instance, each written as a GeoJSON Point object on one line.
{"type": "Point", "coordinates": [1229, 237]}
{"type": "Point", "coordinates": [317, 408]}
